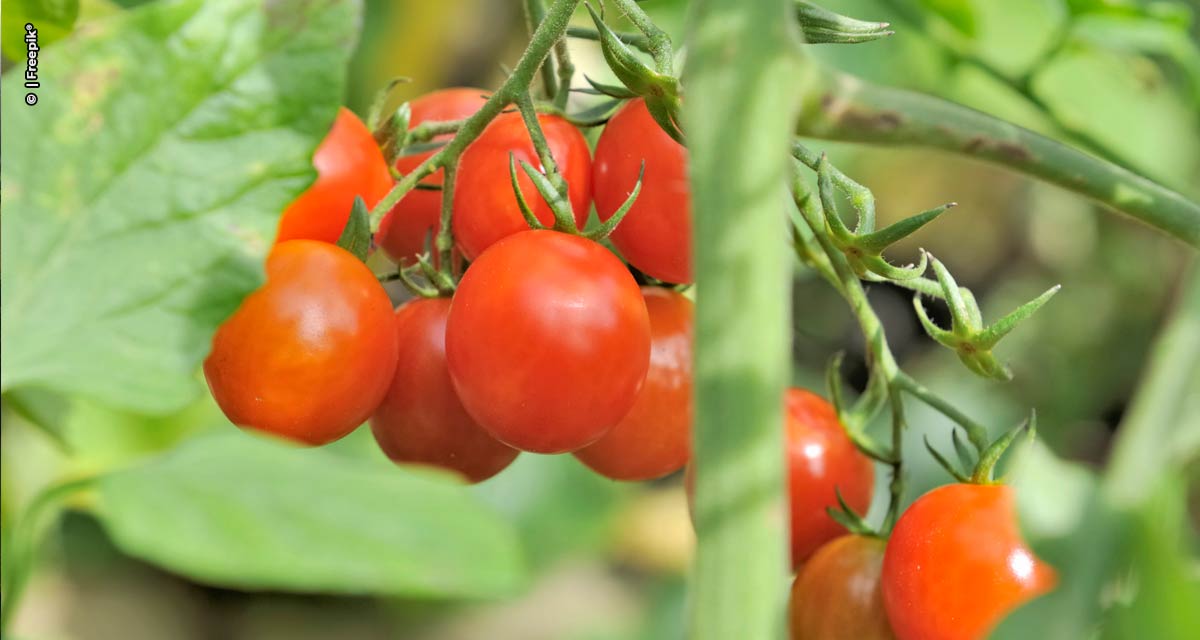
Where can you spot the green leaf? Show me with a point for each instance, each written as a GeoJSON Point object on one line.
{"type": "Point", "coordinates": [151, 172]}
{"type": "Point", "coordinates": [244, 512]}
{"type": "Point", "coordinates": [957, 13]}
{"type": "Point", "coordinates": [356, 235]}
{"type": "Point", "coordinates": [53, 19]}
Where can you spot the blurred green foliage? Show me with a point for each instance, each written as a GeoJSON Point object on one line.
{"type": "Point", "coordinates": [1121, 78]}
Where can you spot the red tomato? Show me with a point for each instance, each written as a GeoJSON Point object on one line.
{"type": "Point", "coordinates": [348, 164]}
{"type": "Point", "coordinates": [654, 439]}
{"type": "Point", "coordinates": [836, 595]}
{"type": "Point", "coordinates": [821, 457]}
{"type": "Point", "coordinates": [310, 354]}
{"type": "Point", "coordinates": [548, 341]}
{"type": "Point", "coordinates": [485, 207]}
{"type": "Point", "coordinates": [421, 419]}
{"type": "Point", "coordinates": [403, 231]}
{"type": "Point", "coordinates": [656, 234]}
{"type": "Point", "coordinates": [955, 564]}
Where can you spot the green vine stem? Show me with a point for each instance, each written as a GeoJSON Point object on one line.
{"type": "Point", "coordinates": [738, 149]}
{"type": "Point", "coordinates": [548, 32]}
{"type": "Point", "coordinates": [849, 109]}
{"type": "Point", "coordinates": [21, 546]}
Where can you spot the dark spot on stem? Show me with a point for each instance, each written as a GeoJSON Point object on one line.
{"type": "Point", "coordinates": [1012, 151]}
{"type": "Point", "coordinates": [974, 144]}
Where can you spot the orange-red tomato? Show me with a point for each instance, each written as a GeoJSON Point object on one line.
{"type": "Point", "coordinates": [548, 341]}
{"type": "Point", "coordinates": [955, 564]}
{"type": "Point", "coordinates": [656, 234]}
{"type": "Point", "coordinates": [836, 595]}
{"type": "Point", "coordinates": [485, 207]}
{"type": "Point", "coordinates": [310, 354]}
{"type": "Point", "coordinates": [421, 420]}
{"type": "Point", "coordinates": [654, 439]}
{"type": "Point", "coordinates": [348, 164]}
{"type": "Point", "coordinates": [405, 228]}
{"type": "Point", "coordinates": [821, 458]}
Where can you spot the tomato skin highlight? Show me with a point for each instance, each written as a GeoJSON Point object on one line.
{"type": "Point", "coordinates": [348, 164]}
{"type": "Point", "coordinates": [955, 564]}
{"type": "Point", "coordinates": [485, 207]}
{"type": "Point", "coordinates": [421, 420]}
{"type": "Point", "coordinates": [837, 595]}
{"type": "Point", "coordinates": [548, 341]}
{"type": "Point", "coordinates": [656, 234]}
{"type": "Point", "coordinates": [821, 458]}
{"type": "Point", "coordinates": [403, 231]}
{"type": "Point", "coordinates": [309, 355]}
{"type": "Point", "coordinates": [654, 438]}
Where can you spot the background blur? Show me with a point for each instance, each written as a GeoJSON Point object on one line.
{"type": "Point", "coordinates": [611, 558]}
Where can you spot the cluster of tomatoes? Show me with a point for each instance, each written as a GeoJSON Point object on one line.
{"type": "Point", "coordinates": [548, 345]}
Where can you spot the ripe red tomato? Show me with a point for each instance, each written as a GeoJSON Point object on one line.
{"type": "Point", "coordinates": [403, 231]}
{"type": "Point", "coordinates": [836, 594]}
{"type": "Point", "coordinates": [348, 164]}
{"type": "Point", "coordinates": [656, 234]}
{"type": "Point", "coordinates": [421, 420]}
{"type": "Point", "coordinates": [485, 207]}
{"type": "Point", "coordinates": [821, 457]}
{"type": "Point", "coordinates": [955, 564]}
{"type": "Point", "coordinates": [310, 354]}
{"type": "Point", "coordinates": [654, 438]}
{"type": "Point", "coordinates": [548, 341]}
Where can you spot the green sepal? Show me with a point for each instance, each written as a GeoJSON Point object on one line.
{"type": "Point", "coordinates": [985, 468]}
{"type": "Point", "coordinates": [822, 26]}
{"type": "Point", "coordinates": [946, 464]}
{"type": "Point", "coordinates": [610, 90]}
{"type": "Point", "coordinates": [845, 516]}
{"type": "Point", "coordinates": [526, 211]}
{"type": "Point", "coordinates": [356, 235]}
{"type": "Point", "coordinates": [606, 229]}
{"type": "Point", "coordinates": [546, 189]}
{"type": "Point", "coordinates": [594, 116]}
{"type": "Point", "coordinates": [965, 458]}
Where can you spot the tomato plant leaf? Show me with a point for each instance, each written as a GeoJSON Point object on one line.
{"type": "Point", "coordinates": [52, 19]}
{"type": "Point", "coordinates": [957, 13]}
{"type": "Point", "coordinates": [248, 513]}
{"type": "Point", "coordinates": [151, 171]}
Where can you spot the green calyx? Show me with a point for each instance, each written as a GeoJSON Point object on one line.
{"type": "Point", "coordinates": [982, 469]}
{"type": "Point", "coordinates": [863, 246]}
{"type": "Point", "coordinates": [659, 89]}
{"type": "Point", "coordinates": [967, 336]}
{"type": "Point", "coordinates": [822, 26]}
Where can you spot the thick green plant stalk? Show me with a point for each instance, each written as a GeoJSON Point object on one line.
{"type": "Point", "coordinates": [739, 109]}
{"type": "Point", "coordinates": [847, 108]}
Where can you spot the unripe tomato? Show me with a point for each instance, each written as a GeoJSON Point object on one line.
{"type": "Point", "coordinates": [821, 458]}
{"type": "Point", "coordinates": [836, 594]}
{"type": "Point", "coordinates": [654, 439]}
{"type": "Point", "coordinates": [485, 207]}
{"type": "Point", "coordinates": [348, 164]}
{"type": "Point", "coordinates": [548, 341]}
{"type": "Point", "coordinates": [955, 564]}
{"type": "Point", "coordinates": [310, 354]}
{"type": "Point", "coordinates": [421, 420]}
{"type": "Point", "coordinates": [403, 231]}
{"type": "Point", "coordinates": [656, 234]}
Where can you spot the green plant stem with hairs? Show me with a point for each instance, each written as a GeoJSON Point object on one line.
{"type": "Point", "coordinates": [849, 109]}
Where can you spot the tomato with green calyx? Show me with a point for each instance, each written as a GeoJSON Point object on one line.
{"type": "Point", "coordinates": [548, 341]}
{"type": "Point", "coordinates": [348, 164]}
{"type": "Point", "coordinates": [485, 207]}
{"type": "Point", "coordinates": [421, 420]}
{"type": "Point", "coordinates": [822, 461]}
{"type": "Point", "coordinates": [654, 439]}
{"type": "Point", "coordinates": [955, 564]}
{"type": "Point", "coordinates": [309, 355]}
{"type": "Point", "coordinates": [656, 234]}
{"type": "Point", "coordinates": [405, 229]}
{"type": "Point", "coordinates": [836, 594]}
